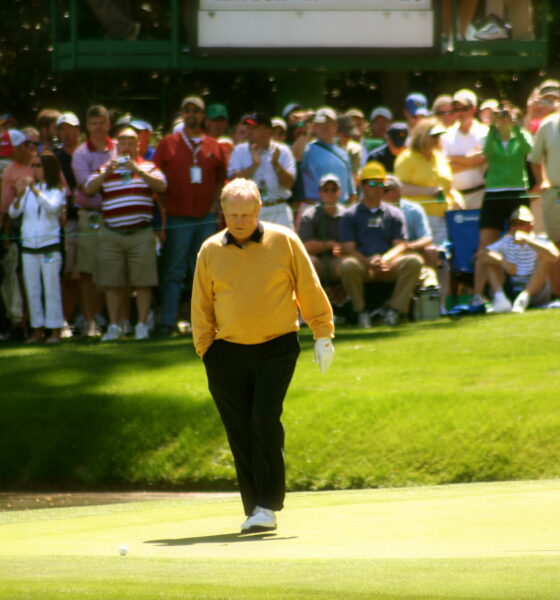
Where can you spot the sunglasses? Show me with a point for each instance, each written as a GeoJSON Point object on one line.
{"type": "Point", "coordinates": [329, 189]}
{"type": "Point", "coordinates": [30, 143]}
{"type": "Point", "coordinates": [372, 183]}
{"type": "Point", "coordinates": [442, 113]}
{"type": "Point", "coordinates": [462, 108]}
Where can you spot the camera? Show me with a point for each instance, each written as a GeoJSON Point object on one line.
{"type": "Point", "coordinates": [122, 160]}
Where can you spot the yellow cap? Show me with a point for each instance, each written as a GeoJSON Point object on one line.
{"type": "Point", "coordinates": [522, 214]}
{"type": "Point", "coordinates": [373, 170]}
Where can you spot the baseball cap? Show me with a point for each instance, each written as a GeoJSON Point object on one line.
{"type": "Point", "coordinates": [329, 177]}
{"type": "Point", "coordinates": [416, 104]}
{"type": "Point", "coordinates": [489, 103]}
{"type": "Point", "coordinates": [392, 181]}
{"type": "Point", "coordinates": [522, 214]}
{"type": "Point", "coordinates": [9, 140]}
{"type": "Point", "coordinates": [257, 119]}
{"type": "Point", "coordinates": [381, 111]}
{"type": "Point", "coordinates": [5, 118]}
{"type": "Point", "coordinates": [289, 108]}
{"type": "Point", "coordinates": [355, 112]}
{"type": "Point", "coordinates": [465, 97]}
{"type": "Point", "coordinates": [196, 100]}
{"type": "Point", "coordinates": [373, 170]}
{"type": "Point", "coordinates": [398, 133]}
{"type": "Point", "coordinates": [279, 122]}
{"type": "Point", "coordinates": [217, 111]}
{"type": "Point", "coordinates": [438, 129]}
{"type": "Point", "coordinates": [323, 114]}
{"type": "Point", "coordinates": [550, 87]}
{"type": "Point", "coordinates": [68, 117]}
{"type": "Point", "coordinates": [141, 125]}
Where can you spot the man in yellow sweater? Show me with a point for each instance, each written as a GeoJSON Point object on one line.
{"type": "Point", "coordinates": [249, 282]}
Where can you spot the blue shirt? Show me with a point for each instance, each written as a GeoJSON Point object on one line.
{"type": "Point", "coordinates": [374, 231]}
{"type": "Point", "coordinates": [318, 160]}
{"type": "Point", "coordinates": [417, 224]}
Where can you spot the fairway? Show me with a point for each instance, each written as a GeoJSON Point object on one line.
{"type": "Point", "coordinates": [475, 541]}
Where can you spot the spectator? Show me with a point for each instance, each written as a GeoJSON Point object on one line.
{"type": "Point", "coordinates": [86, 159]}
{"type": "Point", "coordinates": [520, 262]}
{"type": "Point", "coordinates": [144, 131]}
{"type": "Point", "coordinates": [126, 243]}
{"type": "Point", "coordinates": [270, 165]}
{"type": "Point", "coordinates": [415, 109]}
{"type": "Point", "coordinates": [395, 140]}
{"type": "Point", "coordinates": [216, 124]}
{"type": "Point", "coordinates": [347, 142]}
{"type": "Point", "coordinates": [322, 156]}
{"type": "Point", "coordinates": [486, 111]}
{"type": "Point", "coordinates": [39, 200]}
{"type": "Point", "coordinates": [319, 230]}
{"type": "Point", "coordinates": [195, 169]}
{"type": "Point", "coordinates": [68, 132]}
{"type": "Point", "coordinates": [505, 149]}
{"type": "Point", "coordinates": [543, 101]}
{"type": "Point", "coordinates": [462, 144]}
{"type": "Point", "coordinates": [359, 130]}
{"type": "Point", "coordinates": [442, 108]}
{"type": "Point", "coordinates": [380, 120]}
{"type": "Point", "coordinates": [373, 236]}
{"type": "Point", "coordinates": [279, 129]}
{"type": "Point", "coordinates": [46, 124]}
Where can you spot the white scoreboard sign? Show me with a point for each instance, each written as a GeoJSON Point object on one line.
{"type": "Point", "coordinates": [307, 24]}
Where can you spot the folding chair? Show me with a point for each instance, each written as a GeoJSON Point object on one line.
{"type": "Point", "coordinates": [463, 234]}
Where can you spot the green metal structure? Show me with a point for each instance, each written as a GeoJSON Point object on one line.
{"type": "Point", "coordinates": [72, 49]}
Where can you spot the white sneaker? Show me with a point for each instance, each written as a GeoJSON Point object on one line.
{"type": "Point", "coordinates": [491, 31]}
{"type": "Point", "coordinates": [389, 316]}
{"type": "Point", "coordinates": [501, 304]}
{"type": "Point", "coordinates": [521, 303]}
{"type": "Point", "coordinates": [262, 519]}
{"type": "Point", "coordinates": [364, 320]}
{"type": "Point", "coordinates": [141, 331]}
{"type": "Point", "coordinates": [66, 331]}
{"type": "Point", "coordinates": [91, 329]}
{"type": "Point", "coordinates": [114, 332]}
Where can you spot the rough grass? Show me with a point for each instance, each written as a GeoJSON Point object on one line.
{"type": "Point", "coordinates": [428, 403]}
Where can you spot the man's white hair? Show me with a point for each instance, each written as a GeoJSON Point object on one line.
{"type": "Point", "coordinates": [241, 189]}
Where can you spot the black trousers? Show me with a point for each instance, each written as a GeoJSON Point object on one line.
{"type": "Point", "coordinates": [248, 384]}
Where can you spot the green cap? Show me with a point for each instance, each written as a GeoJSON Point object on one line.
{"type": "Point", "coordinates": [215, 111]}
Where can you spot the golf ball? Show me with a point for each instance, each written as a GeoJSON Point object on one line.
{"type": "Point", "coordinates": [123, 550]}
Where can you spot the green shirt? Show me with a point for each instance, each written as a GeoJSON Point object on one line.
{"type": "Point", "coordinates": [507, 162]}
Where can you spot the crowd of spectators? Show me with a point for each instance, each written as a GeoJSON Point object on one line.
{"type": "Point", "coordinates": [102, 221]}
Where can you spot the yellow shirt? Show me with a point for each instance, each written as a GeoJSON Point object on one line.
{"type": "Point", "coordinates": [251, 295]}
{"type": "Point", "coordinates": [414, 168]}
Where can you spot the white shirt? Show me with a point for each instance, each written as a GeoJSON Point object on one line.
{"type": "Point", "coordinates": [457, 143]}
{"type": "Point", "coordinates": [241, 158]}
{"type": "Point", "coordinates": [40, 225]}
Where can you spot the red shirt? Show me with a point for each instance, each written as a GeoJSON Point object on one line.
{"type": "Point", "coordinates": [174, 158]}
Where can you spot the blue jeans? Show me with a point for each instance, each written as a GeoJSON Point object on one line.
{"type": "Point", "coordinates": [184, 238]}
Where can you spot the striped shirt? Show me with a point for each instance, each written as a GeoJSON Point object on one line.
{"type": "Point", "coordinates": [522, 256]}
{"type": "Point", "coordinates": [128, 201]}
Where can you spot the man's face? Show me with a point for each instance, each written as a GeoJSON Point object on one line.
{"type": "Point", "coordinates": [359, 125]}
{"type": "Point", "coordinates": [68, 134]}
{"type": "Point", "coordinates": [329, 194]}
{"type": "Point", "coordinates": [446, 114]}
{"type": "Point", "coordinates": [379, 126]}
{"type": "Point", "coordinates": [464, 112]}
{"type": "Point", "coordinates": [216, 127]}
{"type": "Point", "coordinates": [391, 193]}
{"type": "Point", "coordinates": [517, 225]}
{"type": "Point", "coordinates": [127, 146]}
{"type": "Point", "coordinates": [278, 134]}
{"type": "Point", "coordinates": [326, 131]}
{"type": "Point", "coordinates": [98, 127]}
{"type": "Point", "coordinates": [373, 190]}
{"type": "Point", "coordinates": [260, 135]}
{"type": "Point", "coordinates": [192, 116]}
{"type": "Point", "coordinates": [241, 217]}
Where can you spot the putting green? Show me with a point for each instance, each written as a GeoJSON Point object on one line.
{"type": "Point", "coordinates": [498, 540]}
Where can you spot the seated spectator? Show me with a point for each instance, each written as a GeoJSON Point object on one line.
{"type": "Point", "coordinates": [373, 236]}
{"type": "Point", "coordinates": [270, 165]}
{"type": "Point", "coordinates": [319, 229]}
{"type": "Point", "coordinates": [126, 241]}
{"type": "Point", "coordinates": [395, 140]}
{"type": "Point", "coordinates": [40, 200]}
{"type": "Point", "coordinates": [521, 260]}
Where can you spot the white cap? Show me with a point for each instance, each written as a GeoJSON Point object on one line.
{"type": "Point", "coordinates": [323, 114]}
{"type": "Point", "coordinates": [467, 97]}
{"type": "Point", "coordinates": [68, 117]}
{"type": "Point", "coordinates": [381, 111]}
{"type": "Point", "coordinates": [279, 122]}
{"type": "Point", "coordinates": [329, 177]}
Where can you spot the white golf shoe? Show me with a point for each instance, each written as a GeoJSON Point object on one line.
{"type": "Point", "coordinates": [501, 304]}
{"type": "Point", "coordinates": [114, 332]}
{"type": "Point", "coordinates": [262, 519]}
{"type": "Point", "coordinates": [521, 303]}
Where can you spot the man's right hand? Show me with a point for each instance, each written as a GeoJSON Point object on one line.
{"type": "Point", "coordinates": [256, 156]}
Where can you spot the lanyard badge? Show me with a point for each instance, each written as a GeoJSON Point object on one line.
{"type": "Point", "coordinates": [195, 171]}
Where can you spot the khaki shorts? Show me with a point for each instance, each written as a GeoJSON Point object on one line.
{"type": "Point", "coordinates": [86, 260]}
{"type": "Point", "coordinates": [551, 213]}
{"type": "Point", "coordinates": [127, 258]}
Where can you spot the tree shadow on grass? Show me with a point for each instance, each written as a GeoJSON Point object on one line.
{"type": "Point", "coordinates": [224, 538]}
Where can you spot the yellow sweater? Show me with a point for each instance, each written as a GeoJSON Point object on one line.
{"type": "Point", "coordinates": [251, 295]}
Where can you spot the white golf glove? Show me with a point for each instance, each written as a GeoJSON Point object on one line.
{"type": "Point", "coordinates": [324, 353]}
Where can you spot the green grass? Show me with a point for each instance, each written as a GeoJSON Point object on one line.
{"type": "Point", "coordinates": [495, 541]}
{"type": "Point", "coordinates": [427, 403]}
